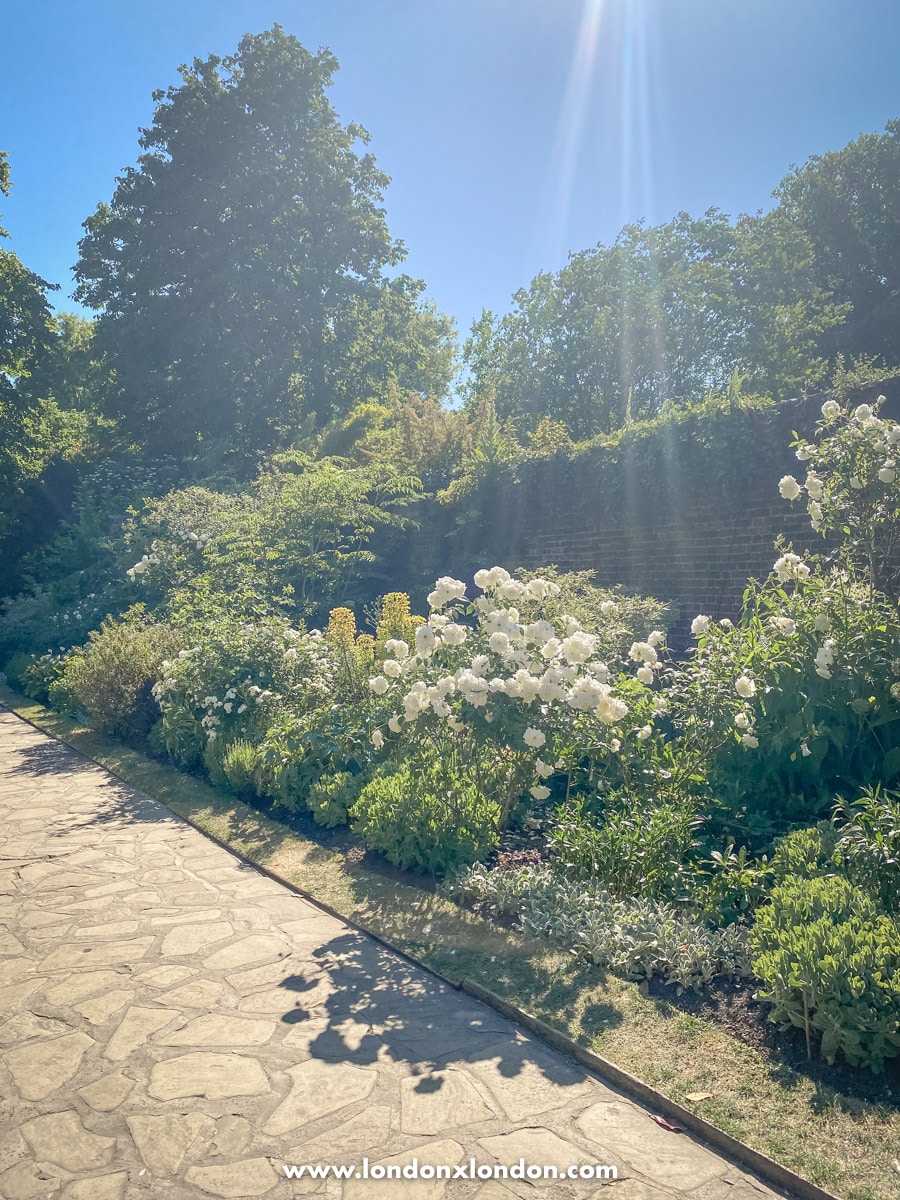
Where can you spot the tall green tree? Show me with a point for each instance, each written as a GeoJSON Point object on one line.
{"type": "Point", "coordinates": [848, 204]}
{"type": "Point", "coordinates": [33, 429]}
{"type": "Point", "coordinates": [663, 315]}
{"type": "Point", "coordinates": [234, 255]}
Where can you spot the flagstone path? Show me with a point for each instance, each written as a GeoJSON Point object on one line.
{"type": "Point", "coordinates": [175, 1024]}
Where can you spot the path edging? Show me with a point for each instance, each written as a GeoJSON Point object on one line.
{"type": "Point", "coordinates": [630, 1085]}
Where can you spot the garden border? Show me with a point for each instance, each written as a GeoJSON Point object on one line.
{"type": "Point", "coordinates": [629, 1085]}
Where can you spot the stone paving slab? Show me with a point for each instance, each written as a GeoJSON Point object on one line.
{"type": "Point", "coordinates": [174, 1024]}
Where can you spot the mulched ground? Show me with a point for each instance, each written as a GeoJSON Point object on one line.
{"type": "Point", "coordinates": [733, 1005]}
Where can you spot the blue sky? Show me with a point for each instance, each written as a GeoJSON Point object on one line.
{"type": "Point", "coordinates": [515, 131]}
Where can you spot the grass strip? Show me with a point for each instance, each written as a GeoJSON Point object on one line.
{"type": "Point", "coordinates": [848, 1144]}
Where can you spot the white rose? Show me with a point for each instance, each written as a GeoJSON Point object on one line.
{"type": "Point", "coordinates": [645, 674]}
{"type": "Point", "coordinates": [425, 641]}
{"type": "Point", "coordinates": [499, 643]}
{"type": "Point", "coordinates": [396, 648]}
{"type": "Point", "coordinates": [742, 720]}
{"type": "Point", "coordinates": [578, 648]}
{"type": "Point", "coordinates": [379, 685]}
{"type": "Point", "coordinates": [830, 410]}
{"type": "Point", "coordinates": [394, 724]}
{"type": "Point", "coordinates": [790, 566]}
{"type": "Point", "coordinates": [544, 770]}
{"type": "Point", "coordinates": [745, 687]}
{"type": "Point", "coordinates": [700, 625]}
{"type": "Point", "coordinates": [644, 732]}
{"type": "Point", "coordinates": [610, 710]}
{"type": "Point", "coordinates": [551, 648]}
{"type": "Point", "coordinates": [454, 635]}
{"type": "Point", "coordinates": [392, 668]}
{"type": "Point", "coordinates": [540, 792]}
{"type": "Point", "coordinates": [534, 738]}
{"type": "Point", "coordinates": [789, 487]}
{"type": "Point", "coordinates": [511, 590]}
{"type": "Point", "coordinates": [608, 607]}
{"type": "Point", "coordinates": [815, 486]}
{"type": "Point", "coordinates": [750, 741]}
{"type": "Point", "coordinates": [377, 739]}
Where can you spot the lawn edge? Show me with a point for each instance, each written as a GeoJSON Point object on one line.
{"type": "Point", "coordinates": [768, 1169]}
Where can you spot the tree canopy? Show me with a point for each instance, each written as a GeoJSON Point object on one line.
{"type": "Point", "coordinates": [665, 314]}
{"type": "Point", "coordinates": [848, 204]}
{"type": "Point", "coordinates": [239, 269]}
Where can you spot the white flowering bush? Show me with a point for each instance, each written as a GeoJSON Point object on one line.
{"type": "Point", "coordinates": [234, 679]}
{"type": "Point", "coordinates": [852, 488]}
{"type": "Point", "coordinates": [799, 698]}
{"type": "Point", "coordinates": [506, 690]}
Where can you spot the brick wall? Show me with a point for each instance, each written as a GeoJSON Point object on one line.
{"type": "Point", "coordinates": [700, 560]}
{"type": "Point", "coordinates": [685, 536]}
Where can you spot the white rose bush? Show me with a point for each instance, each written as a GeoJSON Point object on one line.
{"type": "Point", "coordinates": [498, 686]}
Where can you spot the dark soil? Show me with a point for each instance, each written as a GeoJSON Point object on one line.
{"type": "Point", "coordinates": [733, 1005]}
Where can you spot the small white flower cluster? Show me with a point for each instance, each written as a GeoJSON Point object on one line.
{"type": "Point", "coordinates": [825, 658]}
{"type": "Point", "coordinates": [789, 567]}
{"type": "Point", "coordinates": [445, 590]}
{"type": "Point", "coordinates": [814, 486]}
{"type": "Point", "coordinates": [139, 568]}
{"type": "Point", "coordinates": [785, 625]}
{"type": "Point", "coordinates": [746, 689]}
{"type": "Point", "coordinates": [200, 540]}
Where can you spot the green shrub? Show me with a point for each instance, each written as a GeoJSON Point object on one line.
{"type": "Point", "coordinates": [869, 844]}
{"type": "Point", "coordinates": [332, 796]}
{"type": "Point", "coordinates": [732, 886]}
{"type": "Point", "coordinates": [41, 674]}
{"type": "Point", "coordinates": [428, 821]}
{"type": "Point", "coordinates": [15, 669]}
{"type": "Point", "coordinates": [114, 675]}
{"type": "Point", "coordinates": [214, 761]}
{"type": "Point", "coordinates": [181, 736]}
{"type": "Point", "coordinates": [635, 847]}
{"type": "Point", "coordinates": [239, 769]}
{"type": "Point", "coordinates": [61, 696]}
{"type": "Point", "coordinates": [805, 853]}
{"type": "Point", "coordinates": [830, 963]}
